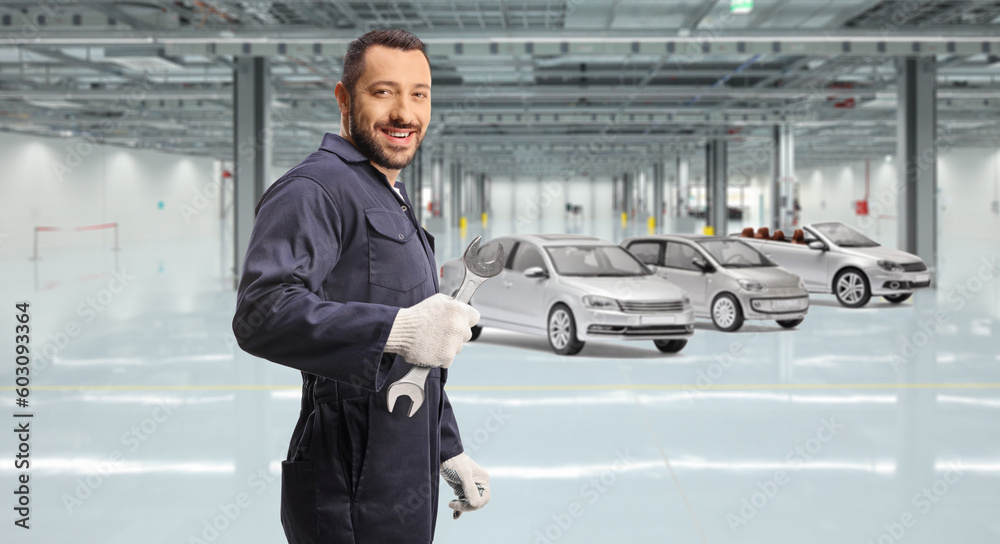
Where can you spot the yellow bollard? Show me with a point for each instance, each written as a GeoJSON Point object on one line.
{"type": "Point", "coordinates": [624, 219]}
{"type": "Point", "coordinates": [485, 219]}
{"type": "Point", "coordinates": [462, 222]}
{"type": "Point", "coordinates": [709, 231]}
{"type": "Point", "coordinates": [651, 225]}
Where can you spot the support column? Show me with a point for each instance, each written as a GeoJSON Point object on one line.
{"type": "Point", "coordinates": [484, 198]}
{"type": "Point", "coordinates": [416, 191]}
{"type": "Point", "coordinates": [658, 199]}
{"type": "Point", "coordinates": [683, 186]}
{"type": "Point", "coordinates": [457, 198]}
{"type": "Point", "coordinates": [783, 178]}
{"type": "Point", "coordinates": [251, 149]}
{"type": "Point", "coordinates": [916, 157]}
{"type": "Point", "coordinates": [437, 185]}
{"type": "Point", "coordinates": [717, 164]}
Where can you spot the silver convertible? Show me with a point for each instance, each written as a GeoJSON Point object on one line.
{"type": "Point", "coordinates": [574, 288]}
{"type": "Point", "coordinates": [727, 279]}
{"type": "Point", "coordinates": [834, 258]}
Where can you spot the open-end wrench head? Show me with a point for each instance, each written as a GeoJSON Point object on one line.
{"type": "Point", "coordinates": [479, 267]}
{"type": "Point", "coordinates": [405, 389]}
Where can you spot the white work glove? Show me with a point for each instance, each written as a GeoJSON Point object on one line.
{"type": "Point", "coordinates": [431, 332]}
{"type": "Point", "coordinates": [470, 482]}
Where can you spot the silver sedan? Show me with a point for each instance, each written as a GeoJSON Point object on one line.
{"type": "Point", "coordinates": [576, 288]}
{"type": "Point", "coordinates": [834, 258]}
{"type": "Point", "coordinates": [727, 279]}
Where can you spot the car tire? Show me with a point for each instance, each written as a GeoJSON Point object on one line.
{"type": "Point", "coordinates": [789, 323]}
{"type": "Point", "coordinates": [851, 288]}
{"type": "Point", "coordinates": [561, 331]}
{"type": "Point", "coordinates": [727, 313]}
{"type": "Point", "coordinates": [896, 299]}
{"type": "Point", "coordinates": [670, 346]}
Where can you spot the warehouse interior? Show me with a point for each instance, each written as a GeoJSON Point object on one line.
{"type": "Point", "coordinates": [137, 137]}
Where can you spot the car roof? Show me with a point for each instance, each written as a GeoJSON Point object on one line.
{"type": "Point", "coordinates": [559, 239]}
{"type": "Point", "coordinates": [687, 237]}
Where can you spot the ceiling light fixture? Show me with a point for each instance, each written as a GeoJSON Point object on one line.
{"type": "Point", "coordinates": [740, 7]}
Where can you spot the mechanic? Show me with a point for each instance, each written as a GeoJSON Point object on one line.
{"type": "Point", "coordinates": [339, 282]}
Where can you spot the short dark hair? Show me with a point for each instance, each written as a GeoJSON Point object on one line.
{"type": "Point", "coordinates": [393, 38]}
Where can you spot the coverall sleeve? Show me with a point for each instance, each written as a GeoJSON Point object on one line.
{"type": "Point", "coordinates": [295, 244]}
{"type": "Point", "coordinates": [451, 441]}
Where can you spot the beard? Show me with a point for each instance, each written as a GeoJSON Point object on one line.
{"type": "Point", "coordinates": [387, 156]}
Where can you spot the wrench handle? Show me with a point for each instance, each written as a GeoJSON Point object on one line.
{"type": "Point", "coordinates": [470, 283]}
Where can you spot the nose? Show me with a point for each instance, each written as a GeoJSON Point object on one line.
{"type": "Point", "coordinates": [401, 112]}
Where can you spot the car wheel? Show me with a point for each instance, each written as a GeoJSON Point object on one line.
{"type": "Point", "coordinates": [670, 346]}
{"type": "Point", "coordinates": [726, 313]}
{"type": "Point", "coordinates": [562, 331]}
{"type": "Point", "coordinates": [896, 299]}
{"type": "Point", "coordinates": [789, 323]}
{"type": "Point", "coordinates": [852, 289]}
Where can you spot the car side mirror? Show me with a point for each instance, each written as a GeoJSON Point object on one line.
{"type": "Point", "coordinates": [817, 244]}
{"type": "Point", "coordinates": [701, 264]}
{"type": "Point", "coordinates": [536, 272]}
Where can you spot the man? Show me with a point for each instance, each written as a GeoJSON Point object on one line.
{"type": "Point", "coordinates": [340, 282]}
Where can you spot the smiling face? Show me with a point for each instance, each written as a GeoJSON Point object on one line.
{"type": "Point", "coordinates": [389, 108]}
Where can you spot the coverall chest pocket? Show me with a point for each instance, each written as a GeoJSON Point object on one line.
{"type": "Point", "coordinates": [396, 258]}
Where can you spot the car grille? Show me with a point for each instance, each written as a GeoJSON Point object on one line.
{"type": "Point", "coordinates": [650, 306]}
{"type": "Point", "coordinates": [914, 267]}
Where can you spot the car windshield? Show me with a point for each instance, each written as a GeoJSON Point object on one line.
{"type": "Point", "coordinates": [843, 236]}
{"type": "Point", "coordinates": [735, 254]}
{"type": "Point", "coordinates": [595, 261]}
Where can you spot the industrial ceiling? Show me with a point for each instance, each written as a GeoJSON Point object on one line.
{"type": "Point", "coordinates": [520, 86]}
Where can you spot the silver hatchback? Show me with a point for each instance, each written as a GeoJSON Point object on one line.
{"type": "Point", "coordinates": [727, 279]}
{"type": "Point", "coordinates": [576, 288]}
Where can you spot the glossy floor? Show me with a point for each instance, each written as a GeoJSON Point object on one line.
{"type": "Point", "coordinates": [874, 425]}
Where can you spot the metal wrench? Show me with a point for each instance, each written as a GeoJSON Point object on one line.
{"type": "Point", "coordinates": [476, 272]}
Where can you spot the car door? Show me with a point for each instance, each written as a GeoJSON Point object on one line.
{"type": "Point", "coordinates": [522, 300]}
{"type": "Point", "coordinates": [679, 270]}
{"type": "Point", "coordinates": [809, 264]}
{"type": "Point", "coordinates": [491, 292]}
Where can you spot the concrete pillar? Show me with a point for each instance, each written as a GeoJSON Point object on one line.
{"type": "Point", "coordinates": [484, 197]}
{"type": "Point", "coordinates": [437, 186]}
{"type": "Point", "coordinates": [917, 157]}
{"type": "Point", "coordinates": [251, 148]}
{"type": "Point", "coordinates": [658, 192]}
{"type": "Point", "coordinates": [683, 186]}
{"type": "Point", "coordinates": [716, 166]}
{"type": "Point", "coordinates": [783, 178]}
{"type": "Point", "coordinates": [457, 198]}
{"type": "Point", "coordinates": [416, 185]}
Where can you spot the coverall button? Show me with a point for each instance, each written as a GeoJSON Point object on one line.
{"type": "Point", "coordinates": [400, 236]}
{"type": "Point", "coordinates": [404, 208]}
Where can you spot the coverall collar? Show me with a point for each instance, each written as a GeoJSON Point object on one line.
{"type": "Point", "coordinates": [336, 144]}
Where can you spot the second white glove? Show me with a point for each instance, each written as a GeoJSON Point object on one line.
{"type": "Point", "coordinates": [469, 481]}
{"type": "Point", "coordinates": [431, 332]}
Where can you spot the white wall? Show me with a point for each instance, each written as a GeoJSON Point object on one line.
{"type": "Point", "coordinates": [968, 183]}
{"type": "Point", "coordinates": [70, 183]}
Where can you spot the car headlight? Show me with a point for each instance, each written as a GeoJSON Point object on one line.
{"type": "Point", "coordinates": [751, 285]}
{"type": "Point", "coordinates": [890, 266]}
{"type": "Point", "coordinates": [600, 303]}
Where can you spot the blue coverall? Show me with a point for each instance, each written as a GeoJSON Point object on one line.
{"type": "Point", "coordinates": [333, 255]}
